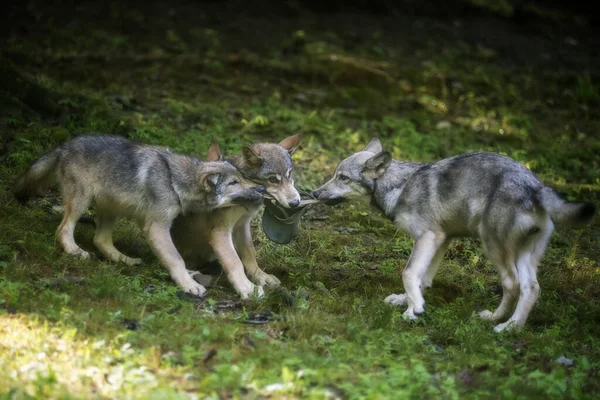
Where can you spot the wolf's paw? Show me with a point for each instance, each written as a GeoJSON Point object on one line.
{"type": "Point", "coordinates": [247, 289]}
{"type": "Point", "coordinates": [396, 299]}
{"type": "Point", "coordinates": [204, 280]}
{"type": "Point", "coordinates": [131, 261]}
{"type": "Point", "coordinates": [263, 279]}
{"type": "Point", "coordinates": [486, 315]}
{"type": "Point", "coordinates": [193, 287]}
{"type": "Point", "coordinates": [507, 326]}
{"type": "Point", "coordinates": [409, 315]}
{"type": "Point", "coordinates": [79, 253]}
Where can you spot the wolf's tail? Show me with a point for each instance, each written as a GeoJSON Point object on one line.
{"type": "Point", "coordinates": [41, 174]}
{"type": "Point", "coordinates": [563, 212]}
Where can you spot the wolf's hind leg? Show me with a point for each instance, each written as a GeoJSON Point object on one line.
{"type": "Point", "coordinates": [502, 255]}
{"type": "Point", "coordinates": [527, 263]}
{"type": "Point", "coordinates": [76, 201]}
{"type": "Point", "coordinates": [104, 242]}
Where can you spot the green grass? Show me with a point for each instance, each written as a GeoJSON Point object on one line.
{"type": "Point", "coordinates": [185, 84]}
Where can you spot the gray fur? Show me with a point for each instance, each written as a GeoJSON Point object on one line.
{"type": "Point", "coordinates": [226, 234]}
{"type": "Point", "coordinates": [149, 184]}
{"type": "Point", "coordinates": [482, 195]}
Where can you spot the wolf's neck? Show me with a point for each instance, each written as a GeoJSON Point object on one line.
{"type": "Point", "coordinates": [389, 186]}
{"type": "Point", "coordinates": [185, 179]}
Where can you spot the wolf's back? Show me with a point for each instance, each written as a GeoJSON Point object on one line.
{"type": "Point", "coordinates": [564, 212]}
{"type": "Point", "coordinates": [41, 174]}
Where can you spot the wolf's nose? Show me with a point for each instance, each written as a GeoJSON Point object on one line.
{"type": "Point", "coordinates": [260, 189]}
{"type": "Point", "coordinates": [316, 193]}
{"type": "Point", "coordinates": [294, 203]}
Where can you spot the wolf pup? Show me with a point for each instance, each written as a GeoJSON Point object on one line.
{"type": "Point", "coordinates": [482, 195]}
{"type": "Point", "coordinates": [225, 234]}
{"type": "Point", "coordinates": [149, 184]}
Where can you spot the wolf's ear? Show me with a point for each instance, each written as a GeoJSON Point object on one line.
{"type": "Point", "coordinates": [251, 157]}
{"type": "Point", "coordinates": [374, 146]}
{"type": "Point", "coordinates": [291, 143]}
{"type": "Point", "coordinates": [214, 152]}
{"type": "Point", "coordinates": [376, 165]}
{"type": "Point", "coordinates": [209, 181]}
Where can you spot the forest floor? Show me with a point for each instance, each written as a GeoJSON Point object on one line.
{"type": "Point", "coordinates": [429, 84]}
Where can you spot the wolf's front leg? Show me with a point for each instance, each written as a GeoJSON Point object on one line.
{"type": "Point", "coordinates": [243, 242]}
{"type": "Point", "coordinates": [159, 238]}
{"type": "Point", "coordinates": [425, 248]}
{"type": "Point", "coordinates": [222, 243]}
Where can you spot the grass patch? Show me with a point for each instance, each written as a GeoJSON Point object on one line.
{"type": "Point", "coordinates": [74, 328]}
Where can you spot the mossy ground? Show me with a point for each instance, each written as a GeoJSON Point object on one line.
{"type": "Point", "coordinates": [428, 86]}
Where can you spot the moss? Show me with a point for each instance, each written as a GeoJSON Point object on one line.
{"type": "Point", "coordinates": [420, 83]}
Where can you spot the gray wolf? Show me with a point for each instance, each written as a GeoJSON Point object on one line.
{"type": "Point", "coordinates": [148, 184]}
{"type": "Point", "coordinates": [225, 235]}
{"type": "Point", "coordinates": [482, 195]}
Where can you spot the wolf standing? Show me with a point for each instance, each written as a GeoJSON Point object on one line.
{"type": "Point", "coordinates": [226, 234]}
{"type": "Point", "coordinates": [150, 184]}
{"type": "Point", "coordinates": [484, 195]}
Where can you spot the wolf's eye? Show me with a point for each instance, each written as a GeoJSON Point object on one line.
{"type": "Point", "coordinates": [233, 183]}
{"type": "Point", "coordinates": [343, 178]}
{"type": "Point", "coordinates": [273, 179]}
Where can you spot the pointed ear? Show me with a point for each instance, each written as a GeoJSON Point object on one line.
{"type": "Point", "coordinates": [291, 143]}
{"type": "Point", "coordinates": [251, 157]}
{"type": "Point", "coordinates": [374, 146]}
{"type": "Point", "coordinates": [376, 165]}
{"type": "Point", "coordinates": [209, 181]}
{"type": "Point", "coordinates": [214, 152]}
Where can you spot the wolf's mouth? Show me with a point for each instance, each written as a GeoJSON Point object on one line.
{"type": "Point", "coordinates": [249, 198]}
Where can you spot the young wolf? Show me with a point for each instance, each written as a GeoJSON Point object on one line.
{"type": "Point", "coordinates": [226, 234]}
{"type": "Point", "coordinates": [149, 184]}
{"type": "Point", "coordinates": [483, 195]}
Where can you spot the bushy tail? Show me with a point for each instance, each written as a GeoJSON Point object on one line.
{"type": "Point", "coordinates": [38, 176]}
{"type": "Point", "coordinates": [563, 212]}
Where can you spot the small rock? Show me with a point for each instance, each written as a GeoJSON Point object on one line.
{"type": "Point", "coordinates": [226, 305]}
{"type": "Point", "coordinates": [571, 41]}
{"type": "Point", "coordinates": [346, 230]}
{"type": "Point", "coordinates": [67, 279]}
{"type": "Point", "coordinates": [208, 355]}
{"type": "Point", "coordinates": [300, 98]}
{"type": "Point", "coordinates": [562, 360]}
{"type": "Point", "coordinates": [150, 289]}
{"type": "Point", "coordinates": [234, 112]}
{"type": "Point", "coordinates": [188, 296]}
{"type": "Point", "coordinates": [303, 294]}
{"type": "Point", "coordinates": [259, 318]}
{"type": "Point", "coordinates": [319, 286]}
{"type": "Point", "coordinates": [174, 310]}
{"type": "Point", "coordinates": [283, 296]}
{"type": "Point", "coordinates": [132, 324]}
{"type": "Point", "coordinates": [443, 125]}
{"type": "Point", "coordinates": [247, 342]}
{"type": "Point", "coordinates": [349, 103]}
{"type": "Point", "coordinates": [275, 387]}
{"type": "Point", "coordinates": [466, 377]}
{"type": "Point", "coordinates": [205, 79]}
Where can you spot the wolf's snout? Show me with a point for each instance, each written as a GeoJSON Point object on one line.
{"type": "Point", "coordinates": [294, 203]}
{"type": "Point", "coordinates": [317, 193]}
{"type": "Point", "coordinates": [260, 189]}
